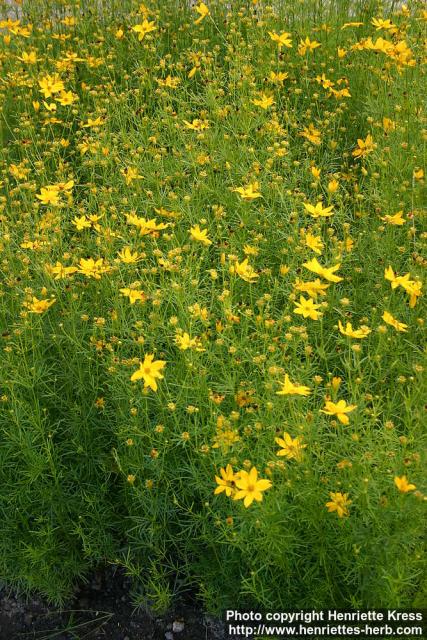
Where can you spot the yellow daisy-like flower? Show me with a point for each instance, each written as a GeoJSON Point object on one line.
{"type": "Point", "coordinates": [291, 447]}
{"type": "Point", "coordinates": [149, 371]}
{"type": "Point", "coordinates": [339, 502]}
{"type": "Point", "coordinates": [339, 409]}
{"type": "Point", "coordinates": [249, 487]}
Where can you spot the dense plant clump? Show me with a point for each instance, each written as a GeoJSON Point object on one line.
{"type": "Point", "coordinates": [211, 234]}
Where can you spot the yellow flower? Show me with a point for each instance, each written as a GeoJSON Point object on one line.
{"type": "Point", "coordinates": [314, 243]}
{"type": "Point", "coordinates": [403, 485]}
{"type": "Point", "coordinates": [249, 488]}
{"type": "Point", "coordinates": [203, 12]}
{"type": "Point", "coordinates": [333, 185]}
{"type": "Point", "coordinates": [339, 409]}
{"type": "Point", "coordinates": [264, 101]}
{"type": "Point", "coordinates": [93, 123]}
{"type": "Point", "coordinates": [244, 271]}
{"type": "Point", "coordinates": [291, 447]}
{"type": "Point", "coordinates": [250, 192]}
{"type": "Point", "coordinates": [412, 287]}
{"type": "Point", "coordinates": [339, 503]}
{"type": "Point", "coordinates": [318, 211]}
{"type": "Point", "coordinates": [66, 98]}
{"type": "Point", "coordinates": [144, 28]}
{"type": "Point", "coordinates": [28, 58]}
{"type": "Point", "coordinates": [313, 288]}
{"type": "Point", "coordinates": [81, 223]}
{"type": "Point", "coordinates": [146, 227]}
{"type": "Point", "coordinates": [307, 45]}
{"type": "Point", "coordinates": [312, 134]}
{"type": "Point", "coordinates": [325, 272]}
{"type": "Point", "coordinates": [93, 268]}
{"type": "Point", "coordinates": [396, 219]}
{"type": "Point", "coordinates": [201, 235]}
{"type": "Point", "coordinates": [364, 147]}
{"type": "Point", "coordinates": [348, 331]}
{"type": "Point", "coordinates": [307, 308]}
{"type": "Point", "coordinates": [293, 389]}
{"type": "Point", "coordinates": [283, 39]}
{"type": "Point", "coordinates": [39, 306]}
{"type": "Point", "coordinates": [134, 295]}
{"type": "Point", "coordinates": [278, 78]}
{"type": "Point", "coordinates": [197, 125]}
{"type": "Point", "coordinates": [149, 371]}
{"type": "Point", "coordinates": [128, 257]}
{"type": "Point", "coordinates": [226, 483]}
{"type": "Point", "coordinates": [49, 195]}
{"type": "Point", "coordinates": [399, 326]}
{"type": "Point", "coordinates": [130, 174]}
{"type": "Point", "coordinates": [184, 342]}
{"type": "Point", "coordinates": [49, 85]}
{"type": "Point", "coordinates": [59, 271]}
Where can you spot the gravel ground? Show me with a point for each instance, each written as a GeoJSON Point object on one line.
{"type": "Point", "coordinates": [102, 609]}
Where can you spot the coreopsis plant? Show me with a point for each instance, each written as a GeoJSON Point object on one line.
{"type": "Point", "coordinates": [212, 249]}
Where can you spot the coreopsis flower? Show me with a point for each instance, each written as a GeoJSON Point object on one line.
{"type": "Point", "coordinates": [200, 235]}
{"type": "Point", "coordinates": [39, 306]}
{"type": "Point", "coordinates": [412, 287]}
{"type": "Point", "coordinates": [66, 98]}
{"type": "Point", "coordinates": [49, 195]}
{"type": "Point", "coordinates": [389, 319]}
{"type": "Point", "coordinates": [93, 268]}
{"type": "Point", "coordinates": [314, 243]}
{"type": "Point", "coordinates": [396, 219]}
{"type": "Point", "coordinates": [333, 185]}
{"type": "Point", "coordinates": [278, 78]}
{"type": "Point", "coordinates": [380, 23]}
{"type": "Point", "coordinates": [364, 147]}
{"type": "Point", "coordinates": [307, 308]}
{"type": "Point", "coordinates": [50, 85]}
{"type": "Point", "coordinates": [250, 192]}
{"type": "Point", "coordinates": [203, 12]}
{"type": "Point", "coordinates": [362, 332]}
{"type": "Point", "coordinates": [93, 122]}
{"type": "Point", "coordinates": [197, 124]}
{"type": "Point", "coordinates": [226, 483]}
{"type": "Point", "coordinates": [81, 223]}
{"type": "Point", "coordinates": [60, 271]}
{"type": "Point", "coordinates": [282, 39]}
{"type": "Point", "coordinates": [339, 502]}
{"type": "Point", "coordinates": [142, 29]}
{"type": "Point", "coordinates": [292, 448]}
{"type": "Point", "coordinates": [264, 101]}
{"type": "Point", "coordinates": [130, 174]}
{"type": "Point", "coordinates": [127, 256]}
{"type": "Point", "coordinates": [318, 211]}
{"type": "Point", "coordinates": [28, 57]}
{"type": "Point", "coordinates": [149, 371]}
{"type": "Point", "coordinates": [312, 134]}
{"type": "Point", "coordinates": [313, 288]}
{"type": "Point", "coordinates": [403, 484]}
{"type": "Point", "coordinates": [245, 271]}
{"type": "Point", "coordinates": [184, 342]}
{"type": "Point", "coordinates": [249, 487]}
{"type": "Point", "coordinates": [293, 388]}
{"type": "Point", "coordinates": [328, 273]}
{"type": "Point", "coordinates": [134, 295]}
{"type": "Point", "coordinates": [307, 45]}
{"type": "Point", "coordinates": [146, 227]}
{"type": "Point", "coordinates": [339, 409]}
